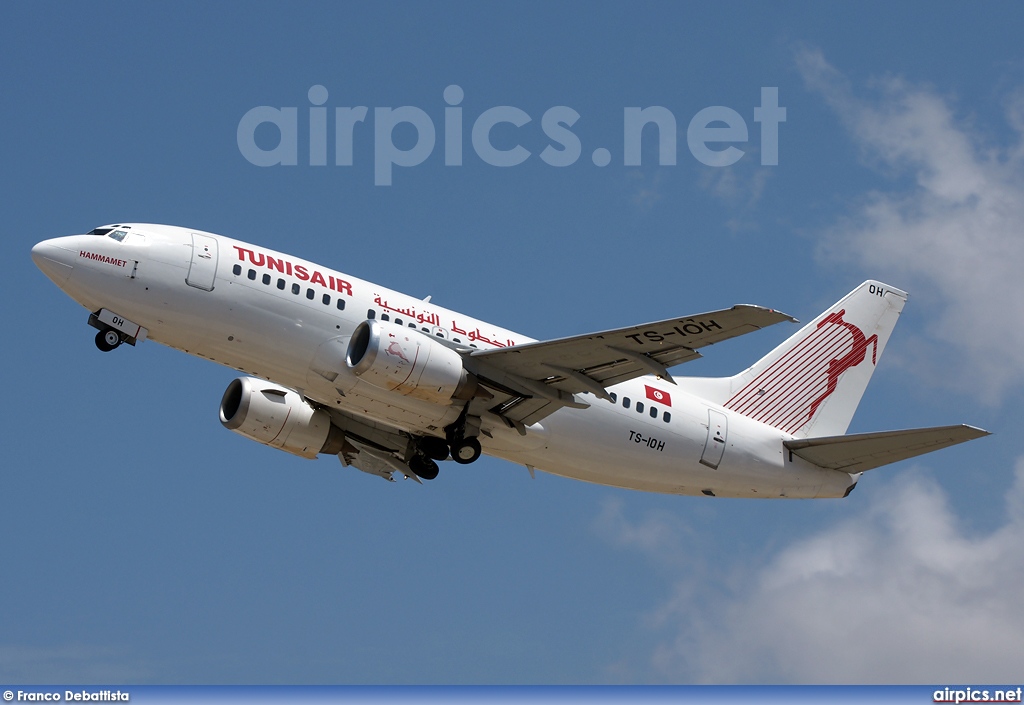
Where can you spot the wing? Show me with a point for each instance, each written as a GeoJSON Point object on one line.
{"type": "Point", "coordinates": [533, 380]}
{"type": "Point", "coordinates": [866, 451]}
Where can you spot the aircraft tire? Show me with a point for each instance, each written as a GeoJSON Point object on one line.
{"type": "Point", "coordinates": [107, 340]}
{"type": "Point", "coordinates": [434, 448]}
{"type": "Point", "coordinates": [466, 451]}
{"type": "Point", "coordinates": [424, 467]}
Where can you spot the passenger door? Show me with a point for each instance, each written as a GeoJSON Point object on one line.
{"type": "Point", "coordinates": [203, 269]}
{"type": "Point", "coordinates": [714, 446]}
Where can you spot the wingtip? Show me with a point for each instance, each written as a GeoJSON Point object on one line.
{"type": "Point", "coordinates": [771, 311]}
{"type": "Point", "coordinates": [786, 316]}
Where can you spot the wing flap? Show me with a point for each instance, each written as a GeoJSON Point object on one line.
{"type": "Point", "coordinates": [866, 451]}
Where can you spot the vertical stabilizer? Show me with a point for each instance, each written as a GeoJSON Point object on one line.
{"type": "Point", "coordinates": [812, 383]}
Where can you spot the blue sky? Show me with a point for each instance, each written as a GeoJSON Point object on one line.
{"type": "Point", "coordinates": [143, 543]}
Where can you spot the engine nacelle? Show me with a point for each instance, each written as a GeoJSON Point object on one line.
{"type": "Point", "coordinates": [404, 360]}
{"type": "Point", "coordinates": [279, 417]}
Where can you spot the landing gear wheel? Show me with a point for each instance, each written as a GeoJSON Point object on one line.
{"type": "Point", "coordinates": [107, 340]}
{"type": "Point", "coordinates": [423, 467]}
{"type": "Point", "coordinates": [466, 451]}
{"type": "Point", "coordinates": [434, 448]}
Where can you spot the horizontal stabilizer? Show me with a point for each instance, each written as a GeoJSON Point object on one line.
{"type": "Point", "coordinates": [866, 451]}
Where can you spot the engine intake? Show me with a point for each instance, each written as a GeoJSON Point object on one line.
{"type": "Point", "coordinates": [278, 417]}
{"type": "Point", "coordinates": [405, 361]}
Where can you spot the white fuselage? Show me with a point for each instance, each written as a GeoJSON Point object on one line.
{"type": "Point", "coordinates": [276, 316]}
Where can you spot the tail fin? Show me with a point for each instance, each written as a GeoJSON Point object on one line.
{"type": "Point", "coordinates": [813, 382]}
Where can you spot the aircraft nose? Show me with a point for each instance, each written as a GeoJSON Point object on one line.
{"type": "Point", "coordinates": [54, 259]}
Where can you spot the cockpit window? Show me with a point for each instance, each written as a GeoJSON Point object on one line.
{"type": "Point", "coordinates": [99, 231]}
{"type": "Point", "coordinates": [118, 235]}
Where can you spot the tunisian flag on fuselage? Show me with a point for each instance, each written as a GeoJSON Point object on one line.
{"type": "Point", "coordinates": [658, 395]}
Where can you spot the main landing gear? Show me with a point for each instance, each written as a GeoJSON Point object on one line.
{"type": "Point", "coordinates": [434, 448]}
{"type": "Point", "coordinates": [430, 449]}
{"type": "Point", "coordinates": [424, 467]}
{"type": "Point", "coordinates": [464, 450]}
{"type": "Point", "coordinates": [107, 340]}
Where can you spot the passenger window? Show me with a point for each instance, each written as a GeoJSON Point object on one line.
{"type": "Point", "coordinates": [341, 304]}
{"type": "Point", "coordinates": [412, 325]}
{"type": "Point", "coordinates": [236, 270]}
{"type": "Point", "coordinates": [371, 314]}
{"type": "Point", "coordinates": [654, 412]}
{"type": "Point", "coordinates": [615, 397]}
{"type": "Point", "coordinates": [296, 289]}
{"type": "Point", "coordinates": [280, 284]}
{"type": "Point", "coordinates": [667, 417]}
{"type": "Point", "coordinates": [385, 317]}
{"type": "Point", "coordinates": [266, 279]}
{"type": "Point", "coordinates": [625, 402]}
{"type": "Point", "coordinates": [456, 340]}
{"type": "Point", "coordinates": [310, 294]}
{"type": "Point", "coordinates": [327, 299]}
{"type": "Point", "coordinates": [398, 321]}
{"type": "Point", "coordinates": [252, 274]}
{"type": "Point", "coordinates": [640, 407]}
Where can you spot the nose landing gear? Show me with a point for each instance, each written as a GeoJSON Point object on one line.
{"type": "Point", "coordinates": [107, 340]}
{"type": "Point", "coordinates": [114, 330]}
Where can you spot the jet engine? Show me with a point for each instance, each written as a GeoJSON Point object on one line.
{"type": "Point", "coordinates": [279, 417]}
{"type": "Point", "coordinates": [404, 360]}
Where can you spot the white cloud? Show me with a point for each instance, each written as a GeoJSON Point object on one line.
{"type": "Point", "coordinates": [660, 535]}
{"type": "Point", "coordinates": [739, 187]}
{"type": "Point", "coordinates": [646, 189]}
{"type": "Point", "coordinates": [900, 593]}
{"type": "Point", "coordinates": [956, 232]}
{"type": "Point", "coordinates": [734, 187]}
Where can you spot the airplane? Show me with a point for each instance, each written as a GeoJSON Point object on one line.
{"type": "Point", "coordinates": [392, 384]}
